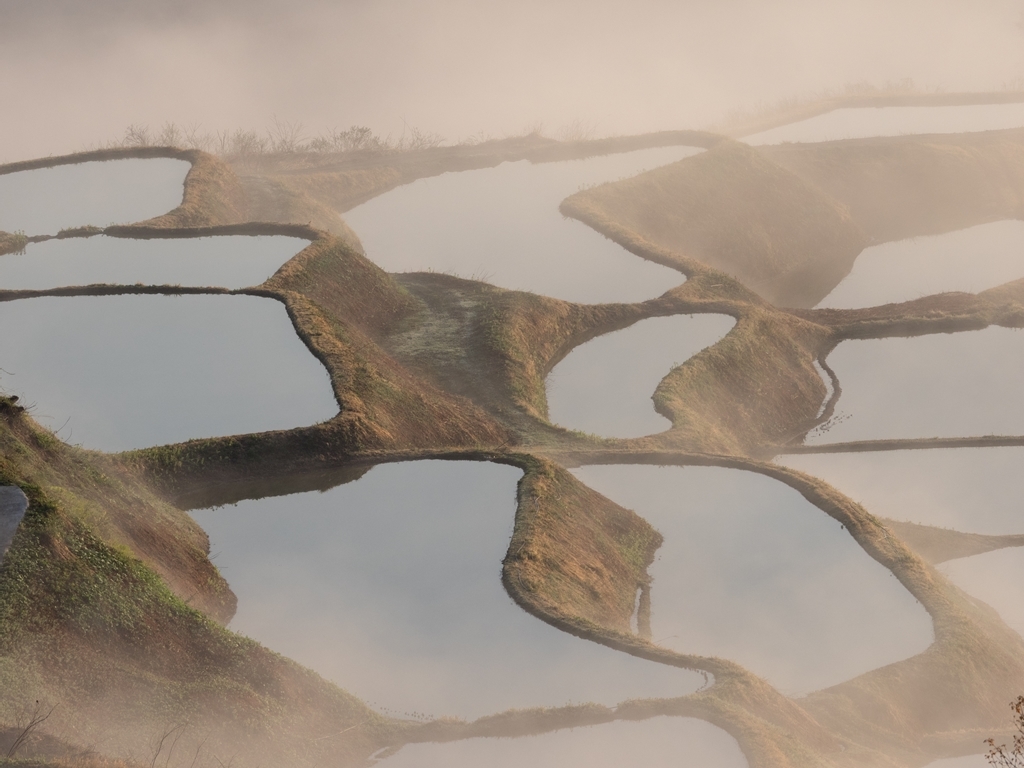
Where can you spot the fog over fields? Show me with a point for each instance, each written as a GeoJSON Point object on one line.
{"type": "Point", "coordinates": [76, 74]}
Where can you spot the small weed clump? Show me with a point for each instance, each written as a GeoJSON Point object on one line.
{"type": "Point", "coordinates": [13, 242]}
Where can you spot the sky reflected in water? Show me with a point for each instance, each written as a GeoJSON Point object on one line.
{"type": "Point", "coordinates": [121, 372]}
{"type": "Point", "coordinates": [661, 742]}
{"type": "Point", "coordinates": [752, 572]}
{"type": "Point", "coordinates": [605, 386]}
{"type": "Point", "coordinates": [971, 260]}
{"type": "Point", "coordinates": [975, 490]}
{"type": "Point", "coordinates": [227, 261]}
{"type": "Point", "coordinates": [46, 200]}
{"type": "Point", "coordinates": [502, 225]}
{"type": "Point", "coordinates": [865, 122]}
{"type": "Point", "coordinates": [943, 385]}
{"type": "Point", "coordinates": [390, 586]}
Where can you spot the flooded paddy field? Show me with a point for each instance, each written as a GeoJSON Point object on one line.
{"type": "Point", "coordinates": [391, 586]}
{"type": "Point", "coordinates": [120, 372]}
{"type": "Point", "coordinates": [995, 578]}
{"type": "Point", "coordinates": [226, 261]}
{"type": "Point", "coordinates": [388, 588]}
{"type": "Point", "coordinates": [866, 122]}
{"type": "Point", "coordinates": [605, 386]}
{"type": "Point", "coordinates": [660, 742]}
{"type": "Point", "coordinates": [943, 385]}
{"type": "Point", "coordinates": [969, 260]}
{"type": "Point", "coordinates": [99, 193]}
{"type": "Point", "coordinates": [503, 225]}
{"type": "Point", "coordinates": [751, 572]}
{"type": "Point", "coordinates": [974, 490]}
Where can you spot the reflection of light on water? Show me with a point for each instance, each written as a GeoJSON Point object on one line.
{"type": "Point", "coordinates": [225, 261]}
{"type": "Point", "coordinates": [975, 490]}
{"type": "Point", "coordinates": [752, 572]}
{"type": "Point", "coordinates": [996, 578]}
{"type": "Point", "coordinates": [391, 587]}
{"type": "Point", "coordinates": [659, 742]}
{"type": "Point", "coordinates": [972, 260]}
{"type": "Point", "coordinates": [46, 200]}
{"type": "Point", "coordinates": [605, 385]}
{"type": "Point", "coordinates": [864, 122]}
{"type": "Point", "coordinates": [135, 371]}
{"type": "Point", "coordinates": [943, 385]}
{"type": "Point", "coordinates": [505, 222]}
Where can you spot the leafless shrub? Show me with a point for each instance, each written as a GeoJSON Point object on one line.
{"type": "Point", "coordinates": [136, 136]}
{"type": "Point", "coordinates": [39, 715]}
{"type": "Point", "coordinates": [1010, 757]}
{"type": "Point", "coordinates": [577, 130]}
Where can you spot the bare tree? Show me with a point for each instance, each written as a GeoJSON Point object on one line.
{"type": "Point", "coordinates": [36, 719]}
{"type": "Point", "coordinates": [1010, 757]}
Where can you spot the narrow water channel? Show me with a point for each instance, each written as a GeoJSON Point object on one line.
{"type": "Point", "coordinates": [974, 490]}
{"type": "Point", "coordinates": [605, 386]}
{"type": "Point", "coordinates": [503, 225]}
{"type": "Point", "coordinates": [46, 200]}
{"type": "Point", "coordinates": [230, 261]}
{"type": "Point", "coordinates": [390, 586]}
{"type": "Point", "coordinates": [943, 385]}
{"type": "Point", "coordinates": [660, 742]}
{"type": "Point", "coordinates": [13, 504]}
{"type": "Point", "coordinates": [121, 372]}
{"type": "Point", "coordinates": [866, 122]}
{"type": "Point", "coordinates": [752, 572]}
{"type": "Point", "coordinates": [971, 260]}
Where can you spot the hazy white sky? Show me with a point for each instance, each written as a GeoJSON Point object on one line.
{"type": "Point", "coordinates": [76, 74]}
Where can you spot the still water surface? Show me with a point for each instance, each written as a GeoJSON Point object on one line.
{"type": "Point", "coordinates": [13, 504]}
{"type": "Point", "coordinates": [229, 261]}
{"type": "Point", "coordinates": [865, 122]}
{"type": "Point", "coordinates": [503, 225]}
{"type": "Point", "coordinates": [975, 490]}
{"type": "Point", "coordinates": [752, 572]}
{"type": "Point", "coordinates": [943, 385]}
{"type": "Point", "coordinates": [121, 372]}
{"type": "Point", "coordinates": [970, 260]}
{"type": "Point", "coordinates": [660, 742]}
{"type": "Point", "coordinates": [390, 587]}
{"type": "Point", "coordinates": [996, 578]}
{"type": "Point", "coordinates": [605, 386]}
{"type": "Point", "coordinates": [46, 200]}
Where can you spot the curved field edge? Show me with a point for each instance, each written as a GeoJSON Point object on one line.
{"type": "Point", "coordinates": [398, 405]}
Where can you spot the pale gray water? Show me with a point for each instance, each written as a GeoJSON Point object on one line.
{"type": "Point", "coordinates": [752, 572]}
{"type": "Point", "coordinates": [503, 225]}
{"type": "Point", "coordinates": [865, 122]}
{"type": "Point", "coordinates": [996, 578]}
{"type": "Point", "coordinates": [228, 261]}
{"type": "Point", "coordinates": [969, 260]}
{"type": "Point", "coordinates": [390, 587]}
{"type": "Point", "coordinates": [975, 490]}
{"type": "Point", "coordinates": [970, 761]}
{"type": "Point", "coordinates": [943, 385]}
{"type": "Point", "coordinates": [13, 504]}
{"type": "Point", "coordinates": [661, 742]}
{"type": "Point", "coordinates": [46, 200]}
{"type": "Point", "coordinates": [121, 372]}
{"type": "Point", "coordinates": [605, 386]}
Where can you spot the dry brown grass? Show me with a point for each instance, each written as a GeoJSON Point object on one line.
{"type": "Point", "coordinates": [739, 213]}
{"type": "Point", "coordinates": [909, 186]}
